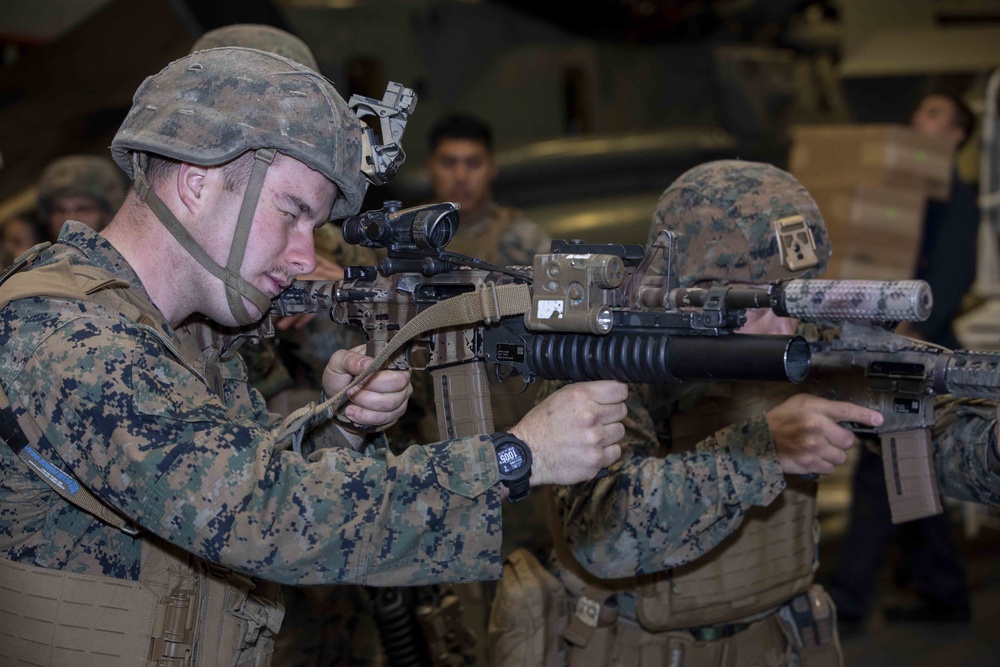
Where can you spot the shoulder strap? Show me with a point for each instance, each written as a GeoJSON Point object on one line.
{"type": "Point", "coordinates": [61, 280]}
{"type": "Point", "coordinates": [21, 434]}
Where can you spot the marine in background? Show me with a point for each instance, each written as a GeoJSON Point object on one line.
{"type": "Point", "coordinates": [85, 188]}
{"type": "Point", "coordinates": [699, 546]}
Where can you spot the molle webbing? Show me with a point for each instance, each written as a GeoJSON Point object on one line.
{"type": "Point", "coordinates": [176, 615]}
{"type": "Point", "coordinates": [625, 642]}
{"type": "Point", "coordinates": [765, 562]}
{"type": "Point", "coordinates": [53, 617]}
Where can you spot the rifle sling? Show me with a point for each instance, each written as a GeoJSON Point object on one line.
{"type": "Point", "coordinates": [487, 304]}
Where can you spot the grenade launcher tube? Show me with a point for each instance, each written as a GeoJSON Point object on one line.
{"type": "Point", "coordinates": [661, 358]}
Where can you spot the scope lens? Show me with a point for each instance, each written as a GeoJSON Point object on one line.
{"type": "Point", "coordinates": [353, 230]}
{"type": "Point", "coordinates": [435, 229]}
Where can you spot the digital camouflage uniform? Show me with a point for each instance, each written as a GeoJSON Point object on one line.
{"type": "Point", "coordinates": [181, 445]}
{"type": "Point", "coordinates": [964, 433]}
{"type": "Point", "coordinates": [325, 626]}
{"type": "Point", "coordinates": [503, 236]}
{"type": "Point", "coordinates": [694, 490]}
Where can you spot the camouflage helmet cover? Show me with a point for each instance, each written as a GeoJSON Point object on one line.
{"type": "Point", "coordinates": [212, 106]}
{"type": "Point", "coordinates": [81, 175]}
{"type": "Point", "coordinates": [724, 213]}
{"type": "Point", "coordinates": [257, 36]}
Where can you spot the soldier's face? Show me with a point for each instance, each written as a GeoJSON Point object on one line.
{"type": "Point", "coordinates": [295, 200]}
{"type": "Point", "coordinates": [462, 171]}
{"type": "Point", "coordinates": [935, 117]}
{"type": "Point", "coordinates": [76, 207]}
{"type": "Point", "coordinates": [764, 321]}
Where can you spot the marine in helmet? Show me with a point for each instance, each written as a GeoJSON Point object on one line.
{"type": "Point", "coordinates": [85, 188]}
{"type": "Point", "coordinates": [700, 543]}
{"type": "Point", "coordinates": [150, 476]}
{"type": "Point", "coordinates": [259, 36]}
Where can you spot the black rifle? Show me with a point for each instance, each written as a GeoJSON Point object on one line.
{"type": "Point", "coordinates": [604, 311]}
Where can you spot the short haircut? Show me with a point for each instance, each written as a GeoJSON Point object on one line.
{"type": "Point", "coordinates": [460, 126]}
{"type": "Point", "coordinates": [964, 119]}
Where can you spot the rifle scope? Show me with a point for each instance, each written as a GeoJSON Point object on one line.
{"type": "Point", "coordinates": [428, 227]}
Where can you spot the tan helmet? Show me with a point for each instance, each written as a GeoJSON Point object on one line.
{"type": "Point", "coordinates": [212, 106]}
{"type": "Point", "coordinates": [257, 36]}
{"type": "Point", "coordinates": [81, 175]}
{"type": "Point", "coordinates": [744, 222]}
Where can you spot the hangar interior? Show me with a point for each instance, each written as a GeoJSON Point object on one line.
{"type": "Point", "coordinates": [595, 107]}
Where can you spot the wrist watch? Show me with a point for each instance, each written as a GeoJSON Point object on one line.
{"type": "Point", "coordinates": [514, 460]}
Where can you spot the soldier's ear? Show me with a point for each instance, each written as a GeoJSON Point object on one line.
{"type": "Point", "coordinates": [190, 184]}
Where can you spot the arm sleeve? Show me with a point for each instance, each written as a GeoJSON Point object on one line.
{"type": "Point", "coordinates": [963, 434]}
{"type": "Point", "coordinates": [142, 430]}
{"type": "Point", "coordinates": [650, 514]}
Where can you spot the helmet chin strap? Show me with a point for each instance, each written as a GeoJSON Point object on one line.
{"type": "Point", "coordinates": [237, 288]}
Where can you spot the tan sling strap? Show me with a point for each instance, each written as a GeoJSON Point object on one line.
{"type": "Point", "coordinates": [22, 435]}
{"type": "Point", "coordinates": [487, 304]}
{"type": "Point", "coordinates": [62, 280]}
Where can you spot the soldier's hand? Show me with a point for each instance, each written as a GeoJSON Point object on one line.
{"type": "Point", "coordinates": [378, 401]}
{"type": "Point", "coordinates": [807, 436]}
{"type": "Point", "coordinates": [574, 432]}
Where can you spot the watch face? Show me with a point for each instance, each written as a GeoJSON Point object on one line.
{"type": "Point", "coordinates": [510, 459]}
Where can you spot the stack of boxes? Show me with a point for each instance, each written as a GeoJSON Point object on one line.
{"type": "Point", "coordinates": [871, 183]}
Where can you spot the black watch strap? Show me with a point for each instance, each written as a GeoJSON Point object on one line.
{"type": "Point", "coordinates": [510, 447]}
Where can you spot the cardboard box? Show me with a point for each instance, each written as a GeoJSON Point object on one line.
{"type": "Point", "coordinates": [876, 155]}
{"type": "Point", "coordinates": [875, 231]}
